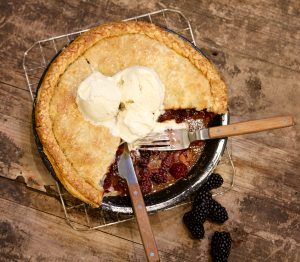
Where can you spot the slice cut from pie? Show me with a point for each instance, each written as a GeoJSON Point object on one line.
{"type": "Point", "coordinates": [80, 152]}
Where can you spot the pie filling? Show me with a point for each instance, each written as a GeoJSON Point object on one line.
{"type": "Point", "coordinates": [157, 170]}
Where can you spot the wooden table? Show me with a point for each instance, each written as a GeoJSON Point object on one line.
{"type": "Point", "coordinates": [256, 46]}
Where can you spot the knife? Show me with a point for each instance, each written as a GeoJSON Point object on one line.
{"type": "Point", "coordinates": [126, 170]}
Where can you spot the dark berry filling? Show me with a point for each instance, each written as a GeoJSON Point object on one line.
{"type": "Point", "coordinates": [158, 169]}
{"type": "Point", "coordinates": [178, 170]}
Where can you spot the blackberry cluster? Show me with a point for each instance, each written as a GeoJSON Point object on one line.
{"type": "Point", "coordinates": [220, 246]}
{"type": "Point", "coordinates": [196, 229]}
{"type": "Point", "coordinates": [201, 197]}
{"type": "Point", "coordinates": [194, 220]}
{"type": "Point", "coordinates": [199, 213]}
{"type": "Point", "coordinates": [217, 212]}
{"type": "Point", "coordinates": [214, 181]}
{"type": "Point", "coordinates": [205, 207]}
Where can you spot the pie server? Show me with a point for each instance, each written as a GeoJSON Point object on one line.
{"type": "Point", "coordinates": [126, 170]}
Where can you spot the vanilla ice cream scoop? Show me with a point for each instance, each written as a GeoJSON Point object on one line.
{"type": "Point", "coordinates": [141, 85]}
{"type": "Point", "coordinates": [135, 122]}
{"type": "Point", "coordinates": [128, 103]}
{"type": "Point", "coordinates": [142, 95]}
{"type": "Point", "coordinates": [98, 98]}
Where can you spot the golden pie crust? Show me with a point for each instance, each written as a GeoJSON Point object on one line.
{"type": "Point", "coordinates": [82, 153]}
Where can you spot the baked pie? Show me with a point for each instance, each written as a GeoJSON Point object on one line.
{"type": "Point", "coordinates": [83, 154]}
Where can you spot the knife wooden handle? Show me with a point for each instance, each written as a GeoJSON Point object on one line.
{"type": "Point", "coordinates": [250, 126]}
{"type": "Point", "coordinates": [142, 219]}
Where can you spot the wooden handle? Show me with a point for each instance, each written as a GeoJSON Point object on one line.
{"type": "Point", "coordinates": [250, 126]}
{"type": "Point", "coordinates": [143, 222]}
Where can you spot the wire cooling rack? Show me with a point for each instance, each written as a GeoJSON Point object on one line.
{"type": "Point", "coordinates": [79, 215]}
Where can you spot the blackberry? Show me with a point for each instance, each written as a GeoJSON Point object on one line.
{"type": "Point", "coordinates": [198, 214]}
{"type": "Point", "coordinates": [167, 162]}
{"type": "Point", "coordinates": [145, 185]}
{"type": "Point", "coordinates": [201, 212]}
{"type": "Point", "coordinates": [196, 229]}
{"type": "Point", "coordinates": [160, 177]}
{"type": "Point", "coordinates": [145, 173]}
{"type": "Point", "coordinates": [167, 115]}
{"type": "Point", "coordinates": [146, 154]}
{"type": "Point", "coordinates": [202, 197]}
{"type": "Point", "coordinates": [214, 181]}
{"type": "Point", "coordinates": [220, 246]}
{"type": "Point", "coordinates": [178, 170]}
{"type": "Point", "coordinates": [143, 163]}
{"type": "Point", "coordinates": [121, 186]}
{"type": "Point", "coordinates": [107, 183]}
{"type": "Point", "coordinates": [217, 213]}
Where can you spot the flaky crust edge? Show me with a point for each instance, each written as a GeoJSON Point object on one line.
{"type": "Point", "coordinates": [63, 168]}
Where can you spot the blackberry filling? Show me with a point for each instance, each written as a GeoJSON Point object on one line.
{"type": "Point", "coordinates": [158, 169]}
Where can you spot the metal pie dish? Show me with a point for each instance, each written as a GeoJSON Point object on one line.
{"type": "Point", "coordinates": [173, 194]}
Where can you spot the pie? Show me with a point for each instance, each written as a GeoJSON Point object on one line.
{"type": "Point", "coordinates": [82, 153]}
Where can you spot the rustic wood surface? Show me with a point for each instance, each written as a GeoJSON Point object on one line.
{"type": "Point", "coordinates": [256, 46]}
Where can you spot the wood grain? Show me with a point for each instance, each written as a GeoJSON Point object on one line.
{"type": "Point", "coordinates": [19, 156]}
{"type": "Point", "coordinates": [255, 45]}
{"type": "Point", "coordinates": [49, 239]}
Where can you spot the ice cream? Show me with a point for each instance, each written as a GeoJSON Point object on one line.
{"type": "Point", "coordinates": [141, 85]}
{"type": "Point", "coordinates": [142, 95]}
{"type": "Point", "coordinates": [128, 103]}
{"type": "Point", "coordinates": [134, 123]}
{"type": "Point", "coordinates": [98, 98]}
